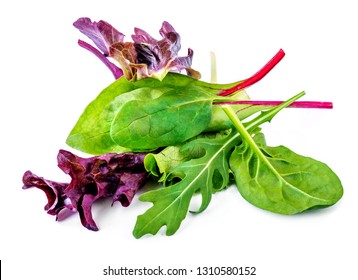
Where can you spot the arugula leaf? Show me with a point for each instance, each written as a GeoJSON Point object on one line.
{"type": "Point", "coordinates": [281, 181]}
{"type": "Point", "coordinates": [206, 175]}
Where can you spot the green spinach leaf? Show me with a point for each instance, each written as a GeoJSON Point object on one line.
{"type": "Point", "coordinates": [172, 118]}
{"type": "Point", "coordinates": [277, 179]}
{"type": "Point", "coordinates": [281, 181]}
{"type": "Point", "coordinates": [108, 122]}
{"type": "Point", "coordinates": [91, 132]}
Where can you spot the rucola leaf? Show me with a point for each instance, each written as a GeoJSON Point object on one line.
{"type": "Point", "coordinates": [279, 180]}
{"type": "Point", "coordinates": [206, 175]}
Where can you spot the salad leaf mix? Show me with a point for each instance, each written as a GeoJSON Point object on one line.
{"type": "Point", "coordinates": [191, 137]}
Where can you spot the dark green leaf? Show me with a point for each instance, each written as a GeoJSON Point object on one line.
{"type": "Point", "coordinates": [172, 118]}
{"type": "Point", "coordinates": [279, 180]}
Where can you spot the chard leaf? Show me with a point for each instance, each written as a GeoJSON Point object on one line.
{"type": "Point", "coordinates": [91, 132]}
{"type": "Point", "coordinates": [206, 175]}
{"type": "Point", "coordinates": [172, 118]}
{"type": "Point", "coordinates": [281, 181]}
{"type": "Point", "coordinates": [95, 128]}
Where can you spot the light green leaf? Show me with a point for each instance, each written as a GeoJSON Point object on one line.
{"type": "Point", "coordinates": [163, 163]}
{"type": "Point", "coordinates": [159, 164]}
{"type": "Point", "coordinates": [91, 132]}
{"type": "Point", "coordinates": [102, 118]}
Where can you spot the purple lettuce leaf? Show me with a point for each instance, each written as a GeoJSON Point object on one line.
{"type": "Point", "coordinates": [116, 71]}
{"type": "Point", "coordinates": [101, 33]}
{"type": "Point", "coordinates": [58, 203]}
{"type": "Point", "coordinates": [144, 57]}
{"type": "Point", "coordinates": [129, 184]}
{"type": "Point", "coordinates": [111, 175]}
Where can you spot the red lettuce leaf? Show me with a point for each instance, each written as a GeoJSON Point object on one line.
{"type": "Point", "coordinates": [111, 175]}
{"type": "Point", "coordinates": [58, 204]}
{"type": "Point", "coordinates": [144, 57]}
{"type": "Point", "coordinates": [101, 33]}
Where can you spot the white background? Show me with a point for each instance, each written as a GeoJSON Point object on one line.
{"type": "Point", "coordinates": [47, 80]}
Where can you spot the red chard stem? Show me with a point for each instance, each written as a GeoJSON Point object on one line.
{"type": "Point", "coordinates": [256, 77]}
{"type": "Point", "coordinates": [296, 104]}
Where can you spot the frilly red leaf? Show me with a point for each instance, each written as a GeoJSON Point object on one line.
{"type": "Point", "coordinates": [111, 175]}
{"type": "Point", "coordinates": [144, 57]}
{"type": "Point", "coordinates": [101, 33]}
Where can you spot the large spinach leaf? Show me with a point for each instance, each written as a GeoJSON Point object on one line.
{"type": "Point", "coordinates": [126, 111]}
{"type": "Point", "coordinates": [172, 118]}
{"type": "Point", "coordinates": [91, 132]}
{"type": "Point", "coordinates": [279, 180]}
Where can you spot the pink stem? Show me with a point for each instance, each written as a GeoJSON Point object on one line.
{"type": "Point", "coordinates": [116, 71]}
{"type": "Point", "coordinates": [296, 104]}
{"type": "Point", "coordinates": [256, 77]}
